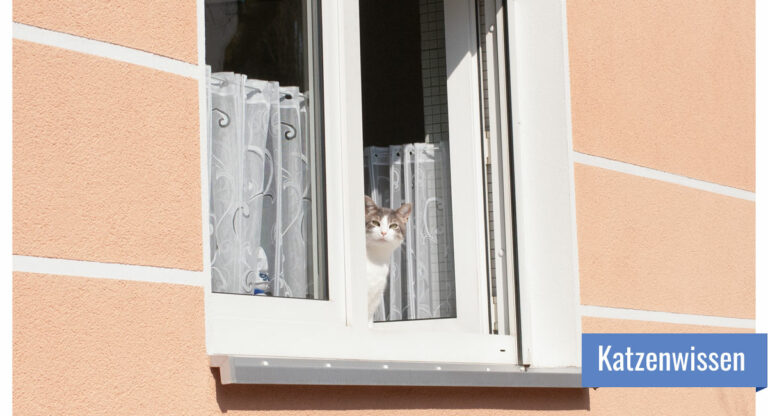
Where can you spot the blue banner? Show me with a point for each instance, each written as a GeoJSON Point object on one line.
{"type": "Point", "coordinates": [674, 360]}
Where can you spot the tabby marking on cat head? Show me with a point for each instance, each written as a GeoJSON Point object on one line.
{"type": "Point", "coordinates": [384, 225]}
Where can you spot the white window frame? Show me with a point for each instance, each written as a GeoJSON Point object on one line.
{"type": "Point", "coordinates": [547, 252]}
{"type": "Point", "coordinates": [315, 336]}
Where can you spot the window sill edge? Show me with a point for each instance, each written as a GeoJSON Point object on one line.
{"type": "Point", "coordinates": [300, 371]}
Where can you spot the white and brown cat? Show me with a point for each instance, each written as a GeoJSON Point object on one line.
{"type": "Point", "coordinates": [384, 232]}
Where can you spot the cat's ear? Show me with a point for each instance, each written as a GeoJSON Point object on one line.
{"type": "Point", "coordinates": [404, 211]}
{"type": "Point", "coordinates": [370, 206]}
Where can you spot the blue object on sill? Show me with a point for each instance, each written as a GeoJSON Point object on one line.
{"type": "Point", "coordinates": [265, 286]}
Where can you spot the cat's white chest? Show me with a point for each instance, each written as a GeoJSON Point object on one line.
{"type": "Point", "coordinates": [376, 275]}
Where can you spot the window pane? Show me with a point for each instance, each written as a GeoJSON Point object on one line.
{"type": "Point", "coordinates": [406, 139]}
{"type": "Point", "coordinates": [266, 163]}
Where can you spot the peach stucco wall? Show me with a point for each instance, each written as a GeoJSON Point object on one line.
{"type": "Point", "coordinates": [107, 169]}
{"type": "Point", "coordinates": [167, 27]}
{"type": "Point", "coordinates": [103, 346]}
{"type": "Point", "coordinates": [106, 160]}
{"type": "Point", "coordinates": [648, 244]}
{"type": "Point", "coordinates": [665, 84]}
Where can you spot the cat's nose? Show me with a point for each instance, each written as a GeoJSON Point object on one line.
{"type": "Point", "coordinates": [383, 233]}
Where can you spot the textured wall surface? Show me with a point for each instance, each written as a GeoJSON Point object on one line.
{"type": "Point", "coordinates": [106, 160]}
{"type": "Point", "coordinates": [648, 244]}
{"type": "Point", "coordinates": [604, 325]}
{"type": "Point", "coordinates": [102, 346]}
{"type": "Point", "coordinates": [167, 28]}
{"type": "Point", "coordinates": [666, 84]}
{"type": "Point", "coordinates": [97, 346]}
{"type": "Point", "coordinates": [106, 168]}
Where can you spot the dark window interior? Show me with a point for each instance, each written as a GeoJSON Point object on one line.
{"type": "Point", "coordinates": [393, 111]}
{"type": "Point", "coordinates": [262, 39]}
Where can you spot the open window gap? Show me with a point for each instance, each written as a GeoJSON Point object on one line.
{"type": "Point", "coordinates": [406, 150]}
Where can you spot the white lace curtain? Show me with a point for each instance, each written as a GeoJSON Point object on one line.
{"type": "Point", "coordinates": [260, 211]}
{"type": "Point", "coordinates": [421, 277]}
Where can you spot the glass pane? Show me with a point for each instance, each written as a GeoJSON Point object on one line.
{"type": "Point", "coordinates": [265, 147]}
{"type": "Point", "coordinates": [406, 157]}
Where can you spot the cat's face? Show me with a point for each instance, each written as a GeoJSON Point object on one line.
{"type": "Point", "coordinates": [383, 225]}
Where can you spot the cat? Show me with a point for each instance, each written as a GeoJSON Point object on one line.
{"type": "Point", "coordinates": [384, 232]}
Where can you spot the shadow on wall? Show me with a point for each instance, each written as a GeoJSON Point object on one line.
{"type": "Point", "coordinates": [292, 397]}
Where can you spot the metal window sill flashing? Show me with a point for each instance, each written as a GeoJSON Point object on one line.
{"type": "Point", "coordinates": [270, 370]}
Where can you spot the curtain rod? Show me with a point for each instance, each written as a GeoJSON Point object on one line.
{"type": "Point", "coordinates": [283, 95]}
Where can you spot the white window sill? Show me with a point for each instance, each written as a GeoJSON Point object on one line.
{"type": "Point", "coordinates": [261, 370]}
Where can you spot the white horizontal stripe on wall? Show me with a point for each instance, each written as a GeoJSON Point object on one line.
{"type": "Point", "coordinates": [44, 265]}
{"type": "Point", "coordinates": [104, 50]}
{"type": "Point", "coordinates": [644, 172]}
{"type": "Point", "coordinates": [666, 317]}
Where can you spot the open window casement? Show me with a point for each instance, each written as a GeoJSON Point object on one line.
{"type": "Point", "coordinates": [286, 302]}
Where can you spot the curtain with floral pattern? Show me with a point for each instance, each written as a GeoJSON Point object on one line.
{"type": "Point", "coordinates": [421, 277]}
{"type": "Point", "coordinates": [260, 200]}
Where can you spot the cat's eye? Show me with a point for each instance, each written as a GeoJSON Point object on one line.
{"type": "Point", "coordinates": [375, 223]}
{"type": "Point", "coordinates": [393, 226]}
